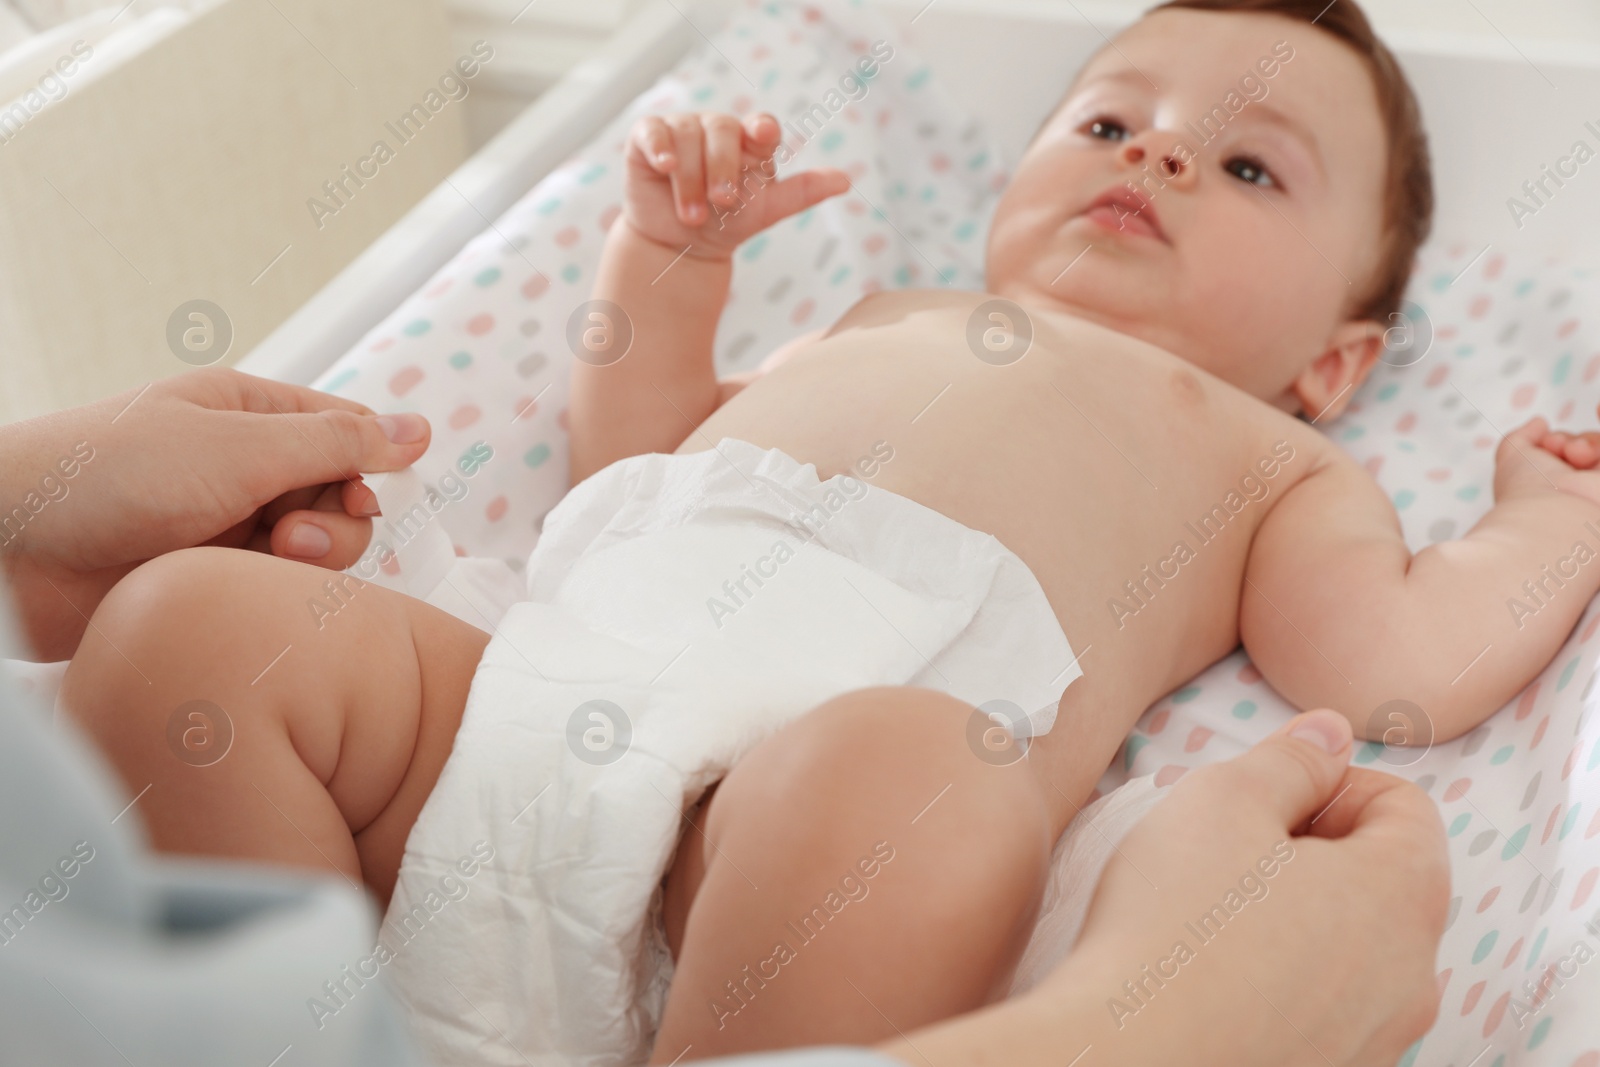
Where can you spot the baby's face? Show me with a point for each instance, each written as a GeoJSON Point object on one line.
{"type": "Point", "coordinates": [1250, 259]}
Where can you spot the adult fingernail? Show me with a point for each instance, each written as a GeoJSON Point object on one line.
{"type": "Point", "coordinates": [369, 507]}
{"type": "Point", "coordinates": [1328, 730]}
{"type": "Point", "coordinates": [309, 541]}
{"type": "Point", "coordinates": [403, 429]}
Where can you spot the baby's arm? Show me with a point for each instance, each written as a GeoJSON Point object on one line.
{"type": "Point", "coordinates": [1337, 612]}
{"type": "Point", "coordinates": [667, 264]}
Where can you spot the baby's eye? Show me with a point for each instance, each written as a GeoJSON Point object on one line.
{"type": "Point", "coordinates": [1249, 170]}
{"type": "Point", "coordinates": [1107, 130]}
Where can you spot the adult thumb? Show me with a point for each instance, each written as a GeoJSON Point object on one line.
{"type": "Point", "coordinates": [1296, 771]}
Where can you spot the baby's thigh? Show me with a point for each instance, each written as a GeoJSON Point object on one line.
{"type": "Point", "coordinates": [222, 678]}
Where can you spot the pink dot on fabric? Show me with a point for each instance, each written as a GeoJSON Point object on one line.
{"type": "Point", "coordinates": [497, 509]}
{"type": "Point", "coordinates": [1566, 412]}
{"type": "Point", "coordinates": [381, 344]}
{"type": "Point", "coordinates": [875, 243]}
{"type": "Point", "coordinates": [535, 286]}
{"type": "Point", "coordinates": [479, 325]}
{"type": "Point", "coordinates": [1158, 722]}
{"type": "Point", "coordinates": [1492, 269]}
{"type": "Point", "coordinates": [885, 117]}
{"type": "Point", "coordinates": [1550, 824]}
{"type": "Point", "coordinates": [1446, 333]}
{"type": "Point", "coordinates": [1406, 422]}
{"type": "Point", "coordinates": [1580, 896]}
{"type": "Point", "coordinates": [524, 408]}
{"type": "Point", "coordinates": [741, 104]}
{"type": "Point", "coordinates": [856, 171]}
{"type": "Point", "coordinates": [939, 163]}
{"type": "Point", "coordinates": [1470, 1001]}
{"type": "Point", "coordinates": [1488, 898]}
{"type": "Point", "coordinates": [855, 207]}
{"type": "Point", "coordinates": [1443, 980]}
{"type": "Point", "coordinates": [1568, 328]}
{"type": "Point", "coordinates": [609, 216]}
{"type": "Point", "coordinates": [1572, 760]}
{"type": "Point", "coordinates": [568, 237]}
{"type": "Point", "coordinates": [1457, 790]}
{"type": "Point", "coordinates": [1483, 442]}
{"type": "Point", "coordinates": [1516, 950]}
{"type": "Point", "coordinates": [1588, 631]}
{"type": "Point", "coordinates": [1169, 774]}
{"type": "Point", "coordinates": [1374, 465]}
{"type": "Point", "coordinates": [1437, 375]}
{"type": "Point", "coordinates": [1591, 368]}
{"type": "Point", "coordinates": [405, 379]}
{"type": "Point", "coordinates": [561, 419]}
{"type": "Point", "coordinates": [1525, 703]}
{"type": "Point", "coordinates": [1496, 1013]}
{"type": "Point", "coordinates": [1439, 474]}
{"type": "Point", "coordinates": [1524, 394]}
{"type": "Point", "coordinates": [1588, 1059]}
{"type": "Point", "coordinates": [1198, 738]}
{"type": "Point", "coordinates": [1538, 733]}
{"type": "Point", "coordinates": [1479, 307]}
{"type": "Point", "coordinates": [803, 311]}
{"type": "Point", "coordinates": [1594, 825]}
{"type": "Point", "coordinates": [870, 286]}
{"type": "Point", "coordinates": [441, 289]}
{"type": "Point", "coordinates": [390, 565]}
{"type": "Point", "coordinates": [464, 416]}
{"type": "Point", "coordinates": [998, 182]}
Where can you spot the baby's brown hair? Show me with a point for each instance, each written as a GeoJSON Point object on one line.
{"type": "Point", "coordinates": [1408, 180]}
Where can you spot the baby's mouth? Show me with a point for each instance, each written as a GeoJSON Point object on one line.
{"type": "Point", "coordinates": [1126, 210]}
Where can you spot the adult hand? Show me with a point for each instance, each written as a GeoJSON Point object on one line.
{"type": "Point", "coordinates": [1327, 960]}
{"type": "Point", "coordinates": [212, 457]}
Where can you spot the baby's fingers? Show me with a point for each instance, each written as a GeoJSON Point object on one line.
{"type": "Point", "coordinates": [689, 178]}
{"type": "Point", "coordinates": [724, 150]}
{"type": "Point", "coordinates": [1582, 450]}
{"type": "Point", "coordinates": [652, 140]}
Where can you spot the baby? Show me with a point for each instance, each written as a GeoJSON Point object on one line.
{"type": "Point", "coordinates": [1193, 267]}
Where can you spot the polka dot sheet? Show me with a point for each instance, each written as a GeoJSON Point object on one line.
{"type": "Point", "coordinates": [1519, 968]}
{"type": "Point", "coordinates": [482, 350]}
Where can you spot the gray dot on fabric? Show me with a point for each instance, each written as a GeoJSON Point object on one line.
{"type": "Point", "coordinates": [778, 289]}
{"type": "Point", "coordinates": [825, 253]}
{"type": "Point", "coordinates": [1425, 783]}
{"type": "Point", "coordinates": [530, 365]}
{"type": "Point", "coordinates": [928, 129]}
{"type": "Point", "coordinates": [1560, 297]}
{"type": "Point", "coordinates": [1455, 908]}
{"type": "Point", "coordinates": [529, 327]}
{"type": "Point", "coordinates": [1513, 365]}
{"type": "Point", "coordinates": [1468, 420]}
{"type": "Point", "coordinates": [1481, 842]}
{"type": "Point", "coordinates": [1451, 401]}
{"type": "Point", "coordinates": [1527, 898]}
{"type": "Point", "coordinates": [1509, 334]}
{"type": "Point", "coordinates": [1442, 530]}
{"type": "Point", "coordinates": [1475, 740]}
{"type": "Point", "coordinates": [1550, 892]}
{"type": "Point", "coordinates": [737, 349]}
{"type": "Point", "coordinates": [1531, 792]}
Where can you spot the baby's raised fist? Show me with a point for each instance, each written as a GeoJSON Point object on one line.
{"type": "Point", "coordinates": [705, 182]}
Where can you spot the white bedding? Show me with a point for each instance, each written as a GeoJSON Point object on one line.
{"type": "Point", "coordinates": [480, 349]}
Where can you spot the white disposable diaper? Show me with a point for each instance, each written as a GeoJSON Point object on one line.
{"type": "Point", "coordinates": [679, 610]}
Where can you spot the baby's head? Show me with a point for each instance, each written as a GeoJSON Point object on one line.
{"type": "Point", "coordinates": [1253, 181]}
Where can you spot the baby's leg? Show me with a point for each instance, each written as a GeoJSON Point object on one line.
{"type": "Point", "coordinates": [861, 872]}
{"type": "Point", "coordinates": [257, 711]}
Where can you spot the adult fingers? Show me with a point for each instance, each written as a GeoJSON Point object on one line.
{"type": "Point", "coordinates": [224, 389]}
{"type": "Point", "coordinates": [1293, 773]}
{"type": "Point", "coordinates": [289, 452]}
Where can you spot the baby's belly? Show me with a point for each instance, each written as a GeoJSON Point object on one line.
{"type": "Point", "coordinates": [1093, 462]}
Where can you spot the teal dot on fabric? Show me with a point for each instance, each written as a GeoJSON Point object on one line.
{"type": "Point", "coordinates": [589, 176]}
{"type": "Point", "coordinates": [1485, 946]}
{"type": "Point", "coordinates": [1501, 755]}
{"type": "Point", "coordinates": [1244, 709]}
{"type": "Point", "coordinates": [1388, 391]}
{"type": "Point", "coordinates": [805, 218]}
{"type": "Point", "coordinates": [1539, 1032]}
{"type": "Point", "coordinates": [416, 327]}
{"type": "Point", "coordinates": [1465, 350]}
{"type": "Point", "coordinates": [344, 377]}
{"type": "Point", "coordinates": [1352, 432]}
{"type": "Point", "coordinates": [486, 278]}
{"type": "Point", "coordinates": [833, 139]}
{"type": "Point", "coordinates": [1514, 845]}
{"type": "Point", "coordinates": [1569, 822]}
{"type": "Point", "coordinates": [1563, 365]}
{"type": "Point", "coordinates": [902, 277]}
{"type": "Point", "coordinates": [897, 190]}
{"type": "Point", "coordinates": [769, 79]}
{"type": "Point", "coordinates": [1460, 823]}
{"type": "Point", "coordinates": [1594, 757]}
{"type": "Point", "coordinates": [979, 161]}
{"type": "Point", "coordinates": [1467, 492]}
{"type": "Point", "coordinates": [839, 276]}
{"type": "Point", "coordinates": [1404, 499]}
{"type": "Point", "coordinates": [965, 231]}
{"type": "Point", "coordinates": [754, 248]}
{"type": "Point", "coordinates": [536, 455]}
{"type": "Point", "coordinates": [1533, 952]}
{"type": "Point", "coordinates": [1186, 694]}
{"type": "Point", "coordinates": [1131, 749]}
{"type": "Point", "coordinates": [1566, 674]}
{"type": "Point", "coordinates": [1406, 446]}
{"type": "Point", "coordinates": [1525, 288]}
{"type": "Point", "coordinates": [1441, 282]}
{"type": "Point", "coordinates": [703, 93]}
{"type": "Point", "coordinates": [929, 194]}
{"type": "Point", "coordinates": [1411, 1055]}
{"type": "Point", "coordinates": [461, 360]}
{"type": "Point", "coordinates": [549, 206]}
{"type": "Point", "coordinates": [918, 78]}
{"type": "Point", "coordinates": [1368, 752]}
{"type": "Point", "coordinates": [571, 273]}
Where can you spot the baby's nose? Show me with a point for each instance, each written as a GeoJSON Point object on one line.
{"type": "Point", "coordinates": [1135, 153]}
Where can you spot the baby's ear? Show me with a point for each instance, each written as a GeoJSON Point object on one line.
{"type": "Point", "coordinates": [1326, 386]}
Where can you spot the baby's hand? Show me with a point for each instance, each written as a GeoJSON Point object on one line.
{"type": "Point", "coordinates": [674, 162]}
{"type": "Point", "coordinates": [1533, 459]}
